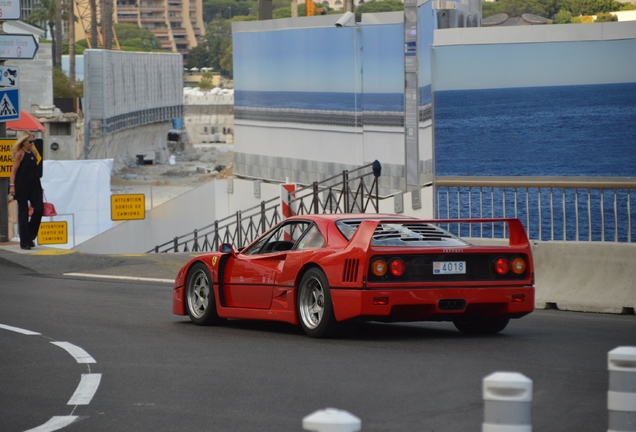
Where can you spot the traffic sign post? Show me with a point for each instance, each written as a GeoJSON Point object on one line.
{"type": "Point", "coordinates": [17, 46]}
{"type": "Point", "coordinates": [9, 10]}
{"type": "Point", "coordinates": [9, 105]}
{"type": "Point", "coordinates": [9, 76]}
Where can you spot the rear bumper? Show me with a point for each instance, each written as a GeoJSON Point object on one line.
{"type": "Point", "coordinates": [424, 304]}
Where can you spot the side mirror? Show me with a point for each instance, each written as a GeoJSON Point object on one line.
{"type": "Point", "coordinates": [227, 248]}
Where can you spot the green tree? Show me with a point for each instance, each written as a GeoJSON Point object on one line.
{"type": "Point", "coordinates": [130, 37]}
{"type": "Point", "coordinates": [205, 83]}
{"type": "Point", "coordinates": [135, 38]}
{"type": "Point", "coordinates": [605, 17]}
{"type": "Point", "coordinates": [516, 8]}
{"type": "Point", "coordinates": [226, 62]}
{"type": "Point", "coordinates": [62, 86]}
{"type": "Point", "coordinates": [227, 9]}
{"type": "Point", "coordinates": [44, 11]}
{"type": "Point", "coordinates": [564, 16]}
{"type": "Point", "coordinates": [198, 56]}
{"type": "Point", "coordinates": [378, 6]}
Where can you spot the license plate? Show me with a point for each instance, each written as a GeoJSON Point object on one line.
{"type": "Point", "coordinates": [449, 267]}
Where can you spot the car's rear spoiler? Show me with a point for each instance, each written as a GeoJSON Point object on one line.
{"type": "Point", "coordinates": [516, 232]}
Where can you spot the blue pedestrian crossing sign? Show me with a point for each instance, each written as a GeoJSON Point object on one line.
{"type": "Point", "coordinates": [9, 105]}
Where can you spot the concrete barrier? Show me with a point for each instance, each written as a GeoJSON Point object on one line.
{"type": "Point", "coordinates": [585, 276]}
{"type": "Point", "coordinates": [507, 402]}
{"type": "Point", "coordinates": [331, 420]}
{"type": "Point", "coordinates": [621, 397]}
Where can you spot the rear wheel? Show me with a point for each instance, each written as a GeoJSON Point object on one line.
{"type": "Point", "coordinates": [314, 307]}
{"type": "Point", "coordinates": [199, 294]}
{"type": "Point", "coordinates": [475, 325]}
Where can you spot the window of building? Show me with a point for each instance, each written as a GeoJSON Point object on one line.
{"type": "Point", "coordinates": [59, 128]}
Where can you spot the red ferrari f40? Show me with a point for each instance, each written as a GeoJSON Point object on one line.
{"type": "Point", "coordinates": [317, 271]}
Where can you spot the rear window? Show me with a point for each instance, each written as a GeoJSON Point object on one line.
{"type": "Point", "coordinates": [405, 233]}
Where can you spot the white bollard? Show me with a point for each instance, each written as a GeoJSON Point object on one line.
{"type": "Point", "coordinates": [507, 402]}
{"type": "Point", "coordinates": [331, 420]}
{"type": "Point", "coordinates": [621, 397]}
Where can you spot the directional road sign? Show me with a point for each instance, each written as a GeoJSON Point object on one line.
{"type": "Point", "coordinates": [8, 75]}
{"type": "Point", "coordinates": [9, 104]}
{"type": "Point", "coordinates": [17, 46]}
{"type": "Point", "coordinates": [9, 10]}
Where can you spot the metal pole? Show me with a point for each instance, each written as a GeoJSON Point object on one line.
{"type": "Point", "coordinates": [4, 183]}
{"type": "Point", "coordinates": [4, 198]}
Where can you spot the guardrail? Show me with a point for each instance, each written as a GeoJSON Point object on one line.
{"type": "Point", "coordinates": [353, 191]}
{"type": "Point", "coordinates": [551, 208]}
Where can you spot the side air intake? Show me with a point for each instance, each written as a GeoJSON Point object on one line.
{"type": "Point", "coordinates": [350, 273]}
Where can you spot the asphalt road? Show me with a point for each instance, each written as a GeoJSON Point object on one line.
{"type": "Point", "coordinates": [159, 372]}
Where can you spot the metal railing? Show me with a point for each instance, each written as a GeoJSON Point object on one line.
{"type": "Point", "coordinates": [353, 191]}
{"type": "Point", "coordinates": [551, 208]}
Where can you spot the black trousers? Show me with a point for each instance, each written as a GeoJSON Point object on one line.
{"type": "Point", "coordinates": [29, 227]}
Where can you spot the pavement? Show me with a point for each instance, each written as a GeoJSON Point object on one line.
{"type": "Point", "coordinates": [52, 261]}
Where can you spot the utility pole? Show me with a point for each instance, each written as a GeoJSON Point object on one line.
{"type": "Point", "coordinates": [14, 46]}
{"type": "Point", "coordinates": [4, 181]}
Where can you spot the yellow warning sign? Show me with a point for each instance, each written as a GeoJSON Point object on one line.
{"type": "Point", "coordinates": [53, 233]}
{"type": "Point", "coordinates": [6, 161]}
{"type": "Point", "coordinates": [127, 207]}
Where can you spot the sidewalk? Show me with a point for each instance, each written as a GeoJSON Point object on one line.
{"type": "Point", "coordinates": [52, 261]}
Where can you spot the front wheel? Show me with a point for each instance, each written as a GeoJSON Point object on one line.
{"type": "Point", "coordinates": [474, 325]}
{"type": "Point", "coordinates": [315, 310]}
{"type": "Point", "coordinates": [199, 295]}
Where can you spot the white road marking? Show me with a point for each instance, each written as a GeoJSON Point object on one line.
{"type": "Point", "coordinates": [133, 278]}
{"type": "Point", "coordinates": [86, 389]}
{"type": "Point", "coordinates": [19, 330]}
{"type": "Point", "coordinates": [55, 423]}
{"type": "Point", "coordinates": [78, 353]}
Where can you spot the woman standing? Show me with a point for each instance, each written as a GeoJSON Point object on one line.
{"type": "Point", "coordinates": [25, 187]}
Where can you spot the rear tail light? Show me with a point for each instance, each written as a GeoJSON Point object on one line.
{"type": "Point", "coordinates": [518, 266]}
{"type": "Point", "coordinates": [379, 267]}
{"type": "Point", "coordinates": [502, 266]}
{"type": "Point", "coordinates": [397, 267]}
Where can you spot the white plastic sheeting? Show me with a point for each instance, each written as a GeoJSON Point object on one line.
{"type": "Point", "coordinates": [80, 191]}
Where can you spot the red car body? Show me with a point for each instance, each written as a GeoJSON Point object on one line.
{"type": "Point", "coordinates": [365, 267]}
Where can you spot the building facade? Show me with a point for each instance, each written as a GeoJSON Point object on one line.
{"type": "Point", "coordinates": [177, 23]}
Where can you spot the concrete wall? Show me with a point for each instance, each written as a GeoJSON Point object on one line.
{"type": "Point", "coordinates": [123, 146]}
{"type": "Point", "coordinates": [161, 224]}
{"type": "Point", "coordinates": [36, 78]}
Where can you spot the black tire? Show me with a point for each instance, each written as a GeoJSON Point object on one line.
{"type": "Point", "coordinates": [475, 326]}
{"type": "Point", "coordinates": [199, 296]}
{"type": "Point", "coordinates": [313, 305]}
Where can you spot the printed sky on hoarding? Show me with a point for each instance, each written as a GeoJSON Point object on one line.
{"type": "Point", "coordinates": [469, 67]}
